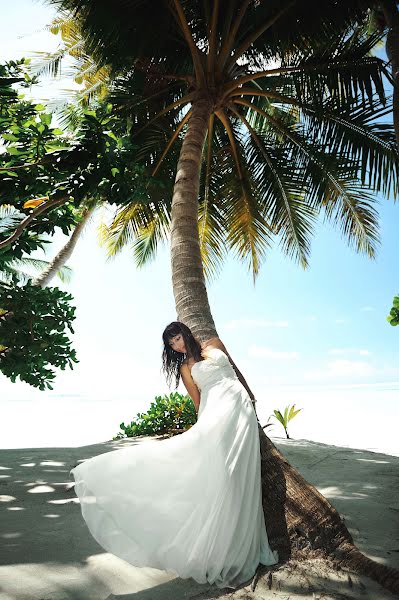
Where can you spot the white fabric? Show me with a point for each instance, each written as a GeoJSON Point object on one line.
{"type": "Point", "coordinates": [190, 504]}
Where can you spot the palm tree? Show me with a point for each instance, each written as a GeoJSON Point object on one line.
{"type": "Point", "coordinates": [14, 268]}
{"type": "Point", "coordinates": [58, 262]}
{"type": "Point", "coordinates": [273, 120]}
{"type": "Point", "coordinates": [390, 13]}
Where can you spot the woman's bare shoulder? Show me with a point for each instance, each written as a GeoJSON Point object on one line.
{"type": "Point", "coordinates": [186, 365]}
{"type": "Point", "coordinates": [214, 342]}
{"type": "Point", "coordinates": [184, 368]}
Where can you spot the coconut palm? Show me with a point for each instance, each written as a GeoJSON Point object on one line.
{"type": "Point", "coordinates": [58, 262]}
{"type": "Point", "coordinates": [385, 16]}
{"type": "Point", "coordinates": [273, 121]}
{"type": "Point", "coordinates": [15, 268]}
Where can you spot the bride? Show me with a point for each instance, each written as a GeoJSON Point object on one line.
{"type": "Point", "coordinates": [190, 504]}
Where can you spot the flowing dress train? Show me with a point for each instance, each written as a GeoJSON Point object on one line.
{"type": "Point", "coordinates": [190, 504]}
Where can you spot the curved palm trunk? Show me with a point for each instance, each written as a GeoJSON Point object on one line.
{"type": "Point", "coordinates": [391, 15]}
{"type": "Point", "coordinates": [298, 517]}
{"type": "Point", "coordinates": [65, 253]}
{"type": "Point", "coordinates": [188, 281]}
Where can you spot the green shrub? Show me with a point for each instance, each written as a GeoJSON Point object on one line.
{"type": "Point", "coordinates": [168, 415]}
{"type": "Point", "coordinates": [34, 323]}
{"type": "Point", "coordinates": [393, 317]}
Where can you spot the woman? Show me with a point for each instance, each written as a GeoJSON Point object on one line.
{"type": "Point", "coordinates": [190, 504]}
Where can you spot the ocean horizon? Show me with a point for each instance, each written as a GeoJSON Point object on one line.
{"type": "Point", "coordinates": [356, 416]}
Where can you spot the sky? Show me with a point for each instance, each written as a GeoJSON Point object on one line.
{"type": "Point", "coordinates": [318, 334]}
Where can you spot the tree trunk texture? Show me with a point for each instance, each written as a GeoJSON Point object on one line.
{"type": "Point", "coordinates": [298, 518]}
{"type": "Point", "coordinates": [65, 253]}
{"type": "Point", "coordinates": [391, 15]}
{"type": "Point", "coordinates": [191, 298]}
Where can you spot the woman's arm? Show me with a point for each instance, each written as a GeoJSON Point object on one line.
{"type": "Point", "coordinates": [190, 386]}
{"type": "Point", "coordinates": [217, 343]}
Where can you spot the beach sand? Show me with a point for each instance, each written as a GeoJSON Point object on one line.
{"type": "Point", "coordinates": [47, 553]}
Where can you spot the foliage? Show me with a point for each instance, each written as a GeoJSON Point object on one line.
{"type": "Point", "coordinates": [294, 130]}
{"type": "Point", "coordinates": [33, 321]}
{"type": "Point", "coordinates": [39, 161]}
{"type": "Point", "coordinates": [284, 419]}
{"type": "Point", "coordinates": [43, 169]}
{"type": "Point", "coordinates": [171, 415]}
{"type": "Point", "coordinates": [393, 317]}
{"type": "Point", "coordinates": [15, 267]}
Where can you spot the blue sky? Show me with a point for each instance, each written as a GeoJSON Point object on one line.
{"type": "Point", "coordinates": [293, 334]}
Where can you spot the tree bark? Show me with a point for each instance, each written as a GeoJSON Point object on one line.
{"type": "Point", "coordinates": [65, 253]}
{"type": "Point", "coordinates": [191, 298]}
{"type": "Point", "coordinates": [298, 518]}
{"type": "Point", "coordinates": [391, 15]}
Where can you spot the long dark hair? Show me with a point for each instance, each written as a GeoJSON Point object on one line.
{"type": "Point", "coordinates": [172, 360]}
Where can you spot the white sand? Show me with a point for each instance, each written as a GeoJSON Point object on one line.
{"type": "Point", "coordinates": [47, 553]}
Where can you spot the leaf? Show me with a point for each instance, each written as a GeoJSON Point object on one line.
{"type": "Point", "coordinates": [279, 417]}
{"type": "Point", "coordinates": [13, 150]}
{"type": "Point", "coordinates": [46, 118]}
{"type": "Point", "coordinates": [286, 419]}
{"type": "Point", "coordinates": [35, 202]}
{"type": "Point", "coordinates": [293, 412]}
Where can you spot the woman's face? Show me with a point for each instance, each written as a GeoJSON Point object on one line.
{"type": "Point", "coordinates": [177, 343]}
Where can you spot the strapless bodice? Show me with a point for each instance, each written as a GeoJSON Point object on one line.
{"type": "Point", "coordinates": [216, 367]}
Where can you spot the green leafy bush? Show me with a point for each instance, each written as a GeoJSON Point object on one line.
{"type": "Point", "coordinates": [33, 321]}
{"type": "Point", "coordinates": [167, 415]}
{"type": "Point", "coordinates": [393, 317]}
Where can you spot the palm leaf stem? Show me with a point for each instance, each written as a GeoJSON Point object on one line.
{"type": "Point", "coordinates": [181, 19]}
{"type": "Point", "coordinates": [210, 63]}
{"type": "Point", "coordinates": [230, 38]}
{"type": "Point", "coordinates": [184, 100]}
{"type": "Point", "coordinates": [172, 141]}
{"type": "Point", "coordinates": [256, 34]}
{"type": "Point", "coordinates": [286, 70]}
{"type": "Point", "coordinates": [262, 94]}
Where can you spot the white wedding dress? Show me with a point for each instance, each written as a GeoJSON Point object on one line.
{"type": "Point", "coordinates": [190, 504]}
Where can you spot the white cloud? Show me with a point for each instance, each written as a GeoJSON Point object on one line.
{"type": "Point", "coordinates": [343, 351]}
{"type": "Point", "coordinates": [239, 323]}
{"type": "Point", "coordinates": [342, 368]}
{"type": "Point", "coordinates": [340, 321]}
{"type": "Point", "coordinates": [367, 308]}
{"type": "Point", "coordinates": [262, 352]}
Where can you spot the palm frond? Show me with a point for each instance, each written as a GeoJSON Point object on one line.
{"type": "Point", "coordinates": [16, 267]}
{"type": "Point", "coordinates": [10, 217]}
{"type": "Point", "coordinates": [148, 238]}
{"type": "Point", "coordinates": [283, 195]}
{"type": "Point", "coordinates": [248, 233]}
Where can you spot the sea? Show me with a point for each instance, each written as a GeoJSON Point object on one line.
{"type": "Point", "coordinates": [353, 417]}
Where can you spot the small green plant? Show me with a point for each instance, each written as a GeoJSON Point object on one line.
{"type": "Point", "coordinates": [34, 323]}
{"type": "Point", "coordinates": [168, 415]}
{"type": "Point", "coordinates": [393, 317]}
{"type": "Point", "coordinates": [284, 419]}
